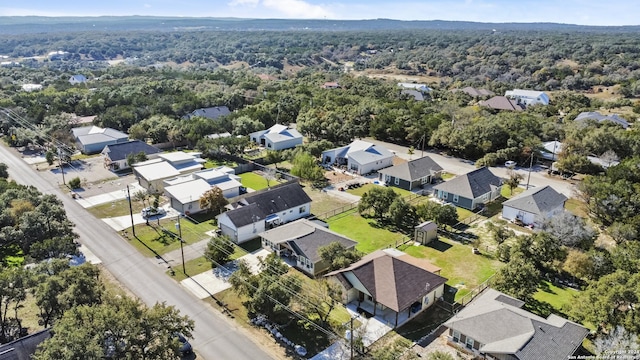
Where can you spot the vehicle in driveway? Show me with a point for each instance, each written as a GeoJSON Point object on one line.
{"type": "Point", "coordinates": [151, 211]}
{"type": "Point", "coordinates": [510, 164]}
{"type": "Point", "coordinates": [185, 347]}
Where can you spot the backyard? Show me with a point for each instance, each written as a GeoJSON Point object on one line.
{"type": "Point", "coordinates": [256, 182]}
{"type": "Point", "coordinates": [369, 235]}
{"type": "Point", "coordinates": [364, 188]}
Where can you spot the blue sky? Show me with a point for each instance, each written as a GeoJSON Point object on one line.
{"type": "Point", "coordinates": [586, 12]}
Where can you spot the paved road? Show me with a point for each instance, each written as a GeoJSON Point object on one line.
{"type": "Point", "coordinates": [457, 166]}
{"type": "Point", "coordinates": [215, 336]}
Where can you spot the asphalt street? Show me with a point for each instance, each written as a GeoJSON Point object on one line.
{"type": "Point", "coordinates": [215, 336]}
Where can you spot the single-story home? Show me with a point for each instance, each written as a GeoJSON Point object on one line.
{"type": "Point", "coordinates": [152, 173]}
{"type": "Point", "coordinates": [411, 175]}
{"type": "Point", "coordinates": [390, 285]}
{"type": "Point", "coordinates": [184, 192]}
{"type": "Point", "coordinates": [115, 155]}
{"type": "Point", "coordinates": [300, 241]}
{"type": "Point", "coordinates": [598, 117]}
{"type": "Point", "coordinates": [551, 150]}
{"type": "Point", "coordinates": [470, 190]}
{"type": "Point", "coordinates": [494, 326]}
{"type": "Point", "coordinates": [277, 137]}
{"type": "Point", "coordinates": [426, 232]}
{"type": "Point", "coordinates": [212, 113]}
{"type": "Point", "coordinates": [331, 85]}
{"type": "Point", "coordinates": [420, 87]}
{"type": "Point", "coordinates": [264, 209]}
{"type": "Point", "coordinates": [360, 157]}
{"type": "Point", "coordinates": [501, 103]}
{"type": "Point", "coordinates": [92, 139]}
{"type": "Point", "coordinates": [473, 92]}
{"type": "Point", "coordinates": [77, 79]}
{"type": "Point", "coordinates": [534, 206]}
{"type": "Point", "coordinates": [415, 94]}
{"type": "Point", "coordinates": [528, 97]}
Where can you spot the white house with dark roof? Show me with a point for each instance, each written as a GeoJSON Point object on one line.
{"type": "Point", "coordinates": [212, 113]}
{"type": "Point", "coordinates": [534, 206]}
{"type": "Point", "coordinates": [390, 285]}
{"type": "Point", "coordinates": [115, 155]}
{"type": "Point", "coordinates": [411, 175]}
{"type": "Point", "coordinates": [93, 139]}
{"type": "Point", "coordinates": [494, 326]}
{"type": "Point", "coordinates": [152, 173]}
{"type": "Point", "coordinates": [470, 190]}
{"type": "Point", "coordinates": [277, 137]}
{"type": "Point", "coordinates": [264, 209]}
{"type": "Point", "coordinates": [300, 241]}
{"type": "Point", "coordinates": [528, 97]}
{"type": "Point", "coordinates": [598, 117]}
{"type": "Point", "coordinates": [360, 157]}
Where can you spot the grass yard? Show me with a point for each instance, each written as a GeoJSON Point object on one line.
{"type": "Point", "coordinates": [463, 213]}
{"type": "Point", "coordinates": [577, 207]}
{"type": "Point", "coordinates": [321, 202]}
{"type": "Point", "coordinates": [506, 192]}
{"type": "Point", "coordinates": [464, 270]}
{"type": "Point", "coordinates": [115, 208]}
{"type": "Point", "coordinates": [559, 298]}
{"type": "Point", "coordinates": [363, 189]}
{"type": "Point", "coordinates": [212, 163]}
{"type": "Point", "coordinates": [255, 181]}
{"type": "Point", "coordinates": [152, 240]}
{"type": "Point", "coordinates": [366, 232]}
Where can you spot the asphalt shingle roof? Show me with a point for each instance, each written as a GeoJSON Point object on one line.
{"type": "Point", "coordinates": [537, 200]}
{"type": "Point", "coordinates": [120, 151]}
{"type": "Point", "coordinates": [413, 170]}
{"type": "Point", "coordinates": [501, 103]}
{"type": "Point", "coordinates": [471, 185]}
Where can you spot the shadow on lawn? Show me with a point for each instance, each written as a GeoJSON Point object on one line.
{"type": "Point", "coordinates": [439, 245]}
{"type": "Point", "coordinates": [546, 288]}
{"type": "Point", "coordinates": [542, 308]}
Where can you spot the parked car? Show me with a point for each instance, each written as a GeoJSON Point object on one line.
{"type": "Point", "coordinates": [510, 164]}
{"type": "Point", "coordinates": [151, 211]}
{"type": "Point", "coordinates": [185, 347]}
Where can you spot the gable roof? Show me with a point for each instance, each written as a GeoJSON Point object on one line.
{"type": "Point", "coordinates": [211, 112]}
{"type": "Point", "coordinates": [414, 169]}
{"type": "Point", "coordinates": [472, 184]}
{"type": "Point", "coordinates": [87, 135]}
{"type": "Point", "coordinates": [417, 95]}
{"type": "Point", "coordinates": [501, 103]}
{"type": "Point", "coordinates": [594, 115]}
{"type": "Point", "coordinates": [120, 151]}
{"type": "Point", "coordinates": [24, 347]}
{"type": "Point", "coordinates": [526, 93]}
{"type": "Point", "coordinates": [306, 237]}
{"type": "Point", "coordinates": [475, 92]}
{"type": "Point", "coordinates": [497, 321]}
{"type": "Point", "coordinates": [537, 200]}
{"type": "Point", "coordinates": [260, 204]}
{"type": "Point", "coordinates": [188, 191]}
{"type": "Point", "coordinates": [393, 278]}
{"type": "Point", "coordinates": [362, 152]}
{"type": "Point", "coordinates": [78, 78]}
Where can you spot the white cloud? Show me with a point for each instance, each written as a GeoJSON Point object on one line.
{"type": "Point", "coordinates": [251, 3]}
{"type": "Point", "coordinates": [298, 9]}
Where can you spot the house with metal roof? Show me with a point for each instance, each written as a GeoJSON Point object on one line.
{"type": "Point", "coordinates": [411, 175]}
{"type": "Point", "coordinates": [254, 213]}
{"type": "Point", "coordinates": [470, 190]}
{"type": "Point", "coordinates": [528, 97]}
{"type": "Point", "coordinates": [586, 116]}
{"type": "Point", "coordinates": [410, 93]}
{"type": "Point", "coordinates": [299, 242]}
{"type": "Point", "coordinates": [390, 285]}
{"type": "Point", "coordinates": [152, 173]}
{"type": "Point", "coordinates": [534, 206]}
{"type": "Point", "coordinates": [115, 155]}
{"type": "Point", "coordinates": [77, 79]}
{"type": "Point", "coordinates": [277, 137]}
{"type": "Point", "coordinates": [212, 113]}
{"type": "Point", "coordinates": [360, 157]}
{"type": "Point", "coordinates": [184, 192]}
{"type": "Point", "coordinates": [92, 139]}
{"type": "Point", "coordinates": [494, 326]}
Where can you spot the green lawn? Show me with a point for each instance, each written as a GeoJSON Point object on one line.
{"type": "Point", "coordinates": [255, 181]}
{"type": "Point", "coordinates": [115, 208]}
{"type": "Point", "coordinates": [363, 189]}
{"type": "Point", "coordinates": [559, 298]}
{"type": "Point", "coordinates": [577, 207]}
{"type": "Point", "coordinates": [321, 202]}
{"type": "Point", "coordinates": [366, 232]}
{"type": "Point", "coordinates": [463, 213]}
{"type": "Point", "coordinates": [212, 163]}
{"type": "Point", "coordinates": [506, 192]}
{"type": "Point", "coordinates": [464, 270]}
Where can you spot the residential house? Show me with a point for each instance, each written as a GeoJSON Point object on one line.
{"type": "Point", "coordinates": [300, 241]}
{"type": "Point", "coordinates": [501, 103]}
{"type": "Point", "coordinates": [331, 85]}
{"type": "Point", "coordinates": [93, 139]}
{"type": "Point", "coordinates": [411, 175]}
{"type": "Point", "coordinates": [184, 192]}
{"type": "Point", "coordinates": [473, 92]}
{"type": "Point", "coordinates": [420, 87]}
{"type": "Point", "coordinates": [77, 79]}
{"type": "Point", "coordinates": [58, 55]}
{"type": "Point", "coordinates": [219, 135]}
{"type": "Point", "coordinates": [24, 347]}
{"type": "Point", "coordinates": [31, 87]}
{"type": "Point", "coordinates": [528, 97]}
{"type": "Point", "coordinates": [277, 137]}
{"type": "Point", "coordinates": [212, 113]}
{"type": "Point", "coordinates": [584, 117]}
{"type": "Point", "coordinates": [264, 209]}
{"type": "Point", "coordinates": [115, 155]}
{"type": "Point", "coordinates": [534, 206]}
{"type": "Point", "coordinates": [360, 157]}
{"type": "Point", "coordinates": [152, 173]}
{"type": "Point", "coordinates": [390, 285]}
{"type": "Point", "coordinates": [550, 150]}
{"type": "Point", "coordinates": [470, 190]}
{"type": "Point", "coordinates": [426, 232]}
{"type": "Point", "coordinates": [494, 326]}
{"type": "Point", "coordinates": [415, 94]}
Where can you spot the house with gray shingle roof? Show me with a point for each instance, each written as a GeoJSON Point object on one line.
{"type": "Point", "coordinates": [586, 116]}
{"type": "Point", "coordinates": [254, 213]}
{"type": "Point", "coordinates": [390, 285]}
{"type": "Point", "coordinates": [360, 157]}
{"type": "Point", "coordinates": [470, 190]}
{"type": "Point", "coordinates": [501, 103]}
{"type": "Point", "coordinates": [534, 206]}
{"type": "Point", "coordinates": [300, 241]}
{"type": "Point", "coordinates": [277, 137]}
{"type": "Point", "coordinates": [115, 155]}
{"type": "Point", "coordinates": [411, 175]}
{"type": "Point", "coordinates": [494, 326]}
{"type": "Point", "coordinates": [212, 113]}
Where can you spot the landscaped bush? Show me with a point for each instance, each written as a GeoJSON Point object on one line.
{"type": "Point", "coordinates": [75, 183]}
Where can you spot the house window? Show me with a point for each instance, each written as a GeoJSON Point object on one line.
{"type": "Point", "coordinates": [387, 178]}
{"type": "Point", "coordinates": [455, 198]}
{"type": "Point", "coordinates": [396, 181]}
{"type": "Point", "coordinates": [424, 180]}
{"type": "Point", "coordinates": [269, 145]}
{"type": "Point", "coordinates": [456, 336]}
{"type": "Point", "coordinates": [444, 195]}
{"type": "Point", "coordinates": [469, 343]}
{"type": "Point", "coordinates": [302, 209]}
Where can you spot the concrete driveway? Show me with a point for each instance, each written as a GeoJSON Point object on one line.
{"type": "Point", "coordinates": [120, 223]}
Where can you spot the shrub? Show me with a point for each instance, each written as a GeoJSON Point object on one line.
{"type": "Point", "coordinates": [75, 183]}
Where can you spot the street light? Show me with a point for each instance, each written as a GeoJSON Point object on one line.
{"type": "Point", "coordinates": [181, 248]}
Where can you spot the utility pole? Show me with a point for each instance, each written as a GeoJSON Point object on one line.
{"type": "Point", "coordinates": [61, 166]}
{"type": "Point", "coordinates": [179, 228]}
{"type": "Point", "coordinates": [133, 227]}
{"type": "Point", "coordinates": [351, 336]}
{"type": "Point", "coordinates": [530, 166]}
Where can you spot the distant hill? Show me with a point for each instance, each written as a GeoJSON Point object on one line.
{"type": "Point", "coordinates": [39, 24]}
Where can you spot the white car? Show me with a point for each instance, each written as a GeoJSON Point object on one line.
{"type": "Point", "coordinates": [151, 211]}
{"type": "Point", "coordinates": [510, 164]}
